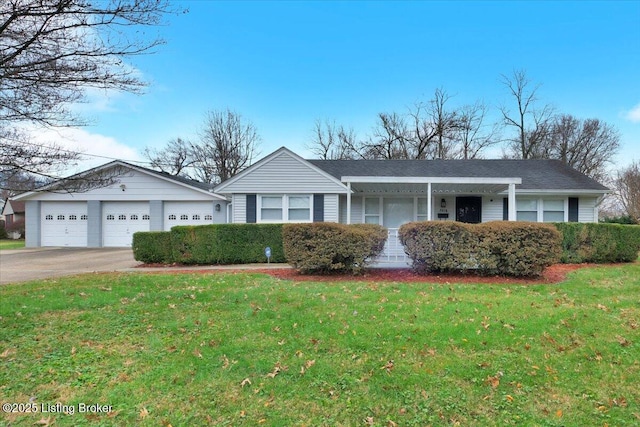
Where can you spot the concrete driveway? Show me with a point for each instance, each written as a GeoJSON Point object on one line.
{"type": "Point", "coordinates": [22, 265]}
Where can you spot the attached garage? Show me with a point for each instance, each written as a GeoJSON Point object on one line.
{"type": "Point", "coordinates": [187, 213]}
{"type": "Point", "coordinates": [121, 219]}
{"type": "Point", "coordinates": [64, 224]}
{"type": "Point", "coordinates": [125, 199]}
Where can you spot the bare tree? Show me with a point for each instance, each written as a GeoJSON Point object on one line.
{"type": "Point", "coordinates": [51, 52]}
{"type": "Point", "coordinates": [531, 124]}
{"type": "Point", "coordinates": [176, 158]}
{"type": "Point", "coordinates": [585, 145]}
{"type": "Point", "coordinates": [227, 145]}
{"type": "Point", "coordinates": [332, 142]}
{"type": "Point", "coordinates": [390, 138]}
{"type": "Point", "coordinates": [471, 132]}
{"type": "Point", "coordinates": [426, 131]}
{"type": "Point", "coordinates": [628, 190]}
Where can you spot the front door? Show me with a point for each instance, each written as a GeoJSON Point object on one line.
{"type": "Point", "coordinates": [469, 209]}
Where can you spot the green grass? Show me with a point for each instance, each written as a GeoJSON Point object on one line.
{"type": "Point", "coordinates": [11, 244]}
{"type": "Point", "coordinates": [242, 349]}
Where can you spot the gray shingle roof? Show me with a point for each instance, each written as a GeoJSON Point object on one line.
{"type": "Point", "coordinates": [535, 174]}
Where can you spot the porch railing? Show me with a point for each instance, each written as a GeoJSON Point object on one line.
{"type": "Point", "coordinates": [393, 252]}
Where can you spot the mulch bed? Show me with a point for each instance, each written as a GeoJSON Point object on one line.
{"type": "Point", "coordinates": [553, 274]}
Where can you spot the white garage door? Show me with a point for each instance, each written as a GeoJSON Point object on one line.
{"type": "Point", "coordinates": [121, 219]}
{"type": "Point", "coordinates": [187, 213]}
{"type": "Point", "coordinates": [63, 224]}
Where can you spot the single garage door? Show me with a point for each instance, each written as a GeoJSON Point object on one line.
{"type": "Point", "coordinates": [121, 219]}
{"type": "Point", "coordinates": [187, 213]}
{"type": "Point", "coordinates": [63, 224]}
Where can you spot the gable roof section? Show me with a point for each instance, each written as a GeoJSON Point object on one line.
{"type": "Point", "coordinates": [536, 174]}
{"type": "Point", "coordinates": [184, 182]}
{"type": "Point", "coordinates": [12, 207]}
{"type": "Point", "coordinates": [282, 171]}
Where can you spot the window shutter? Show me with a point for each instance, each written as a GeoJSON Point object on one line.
{"type": "Point", "coordinates": [505, 209]}
{"type": "Point", "coordinates": [573, 209]}
{"type": "Point", "coordinates": [251, 208]}
{"type": "Point", "coordinates": [318, 207]}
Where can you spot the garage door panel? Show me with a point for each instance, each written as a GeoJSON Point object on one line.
{"type": "Point", "coordinates": [64, 224]}
{"type": "Point", "coordinates": [121, 220]}
{"type": "Point", "coordinates": [187, 213]}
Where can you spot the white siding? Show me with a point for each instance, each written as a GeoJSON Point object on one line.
{"type": "Point", "coordinates": [331, 207]}
{"type": "Point", "coordinates": [587, 209]}
{"type": "Point", "coordinates": [284, 174]}
{"type": "Point", "coordinates": [138, 186]}
{"type": "Point", "coordinates": [356, 209]}
{"type": "Point", "coordinates": [492, 208]}
{"type": "Point", "coordinates": [239, 207]}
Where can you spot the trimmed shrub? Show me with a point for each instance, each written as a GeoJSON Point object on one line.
{"type": "Point", "coordinates": [519, 248]}
{"type": "Point", "coordinates": [324, 247]}
{"type": "Point", "coordinates": [599, 243]}
{"type": "Point", "coordinates": [226, 243]}
{"type": "Point", "coordinates": [505, 248]}
{"type": "Point", "coordinates": [152, 247]}
{"type": "Point", "coordinates": [439, 246]}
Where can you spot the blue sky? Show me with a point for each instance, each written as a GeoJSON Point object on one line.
{"type": "Point", "coordinates": [283, 65]}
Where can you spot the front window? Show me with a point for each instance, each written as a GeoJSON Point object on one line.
{"type": "Point", "coordinates": [299, 208]}
{"type": "Point", "coordinates": [553, 210]}
{"type": "Point", "coordinates": [372, 210]}
{"type": "Point", "coordinates": [285, 208]}
{"type": "Point", "coordinates": [527, 210]}
{"type": "Point", "coordinates": [271, 208]}
{"type": "Point", "coordinates": [422, 209]}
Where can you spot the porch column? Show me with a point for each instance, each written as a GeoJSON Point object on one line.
{"type": "Point", "coordinates": [348, 203]}
{"type": "Point", "coordinates": [429, 216]}
{"type": "Point", "coordinates": [512, 202]}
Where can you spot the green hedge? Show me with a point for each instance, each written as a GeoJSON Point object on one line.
{"type": "Point", "coordinates": [226, 243]}
{"type": "Point", "coordinates": [324, 247]}
{"type": "Point", "coordinates": [152, 247]}
{"type": "Point", "coordinates": [504, 248]}
{"type": "Point", "coordinates": [599, 243]}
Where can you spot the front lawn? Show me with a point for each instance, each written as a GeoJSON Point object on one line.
{"type": "Point", "coordinates": [11, 244]}
{"type": "Point", "coordinates": [242, 349]}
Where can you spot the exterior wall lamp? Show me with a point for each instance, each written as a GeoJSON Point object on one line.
{"type": "Point", "coordinates": [443, 203]}
{"type": "Point", "coordinates": [217, 207]}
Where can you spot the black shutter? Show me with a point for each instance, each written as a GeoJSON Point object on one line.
{"type": "Point", "coordinates": [318, 207]}
{"type": "Point", "coordinates": [573, 209]}
{"type": "Point", "coordinates": [251, 208]}
{"type": "Point", "coordinates": [505, 209]}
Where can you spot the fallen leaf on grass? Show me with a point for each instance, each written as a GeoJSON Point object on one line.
{"type": "Point", "coordinates": [602, 307]}
{"type": "Point", "coordinates": [276, 370]}
{"type": "Point", "coordinates": [197, 353]}
{"type": "Point", "coordinates": [307, 365]}
{"type": "Point", "coordinates": [7, 353]}
{"type": "Point", "coordinates": [559, 413]}
{"type": "Point", "coordinates": [494, 381]}
{"type": "Point", "coordinates": [144, 413]}
{"type": "Point", "coordinates": [45, 421]}
{"type": "Point", "coordinates": [245, 382]}
{"type": "Point", "coordinates": [388, 367]}
{"type": "Point", "coordinates": [623, 341]}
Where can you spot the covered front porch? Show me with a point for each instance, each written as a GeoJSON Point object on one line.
{"type": "Point", "coordinates": [393, 201]}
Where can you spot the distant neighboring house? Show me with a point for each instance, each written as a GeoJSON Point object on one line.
{"type": "Point", "coordinates": [283, 187]}
{"type": "Point", "coordinates": [14, 218]}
